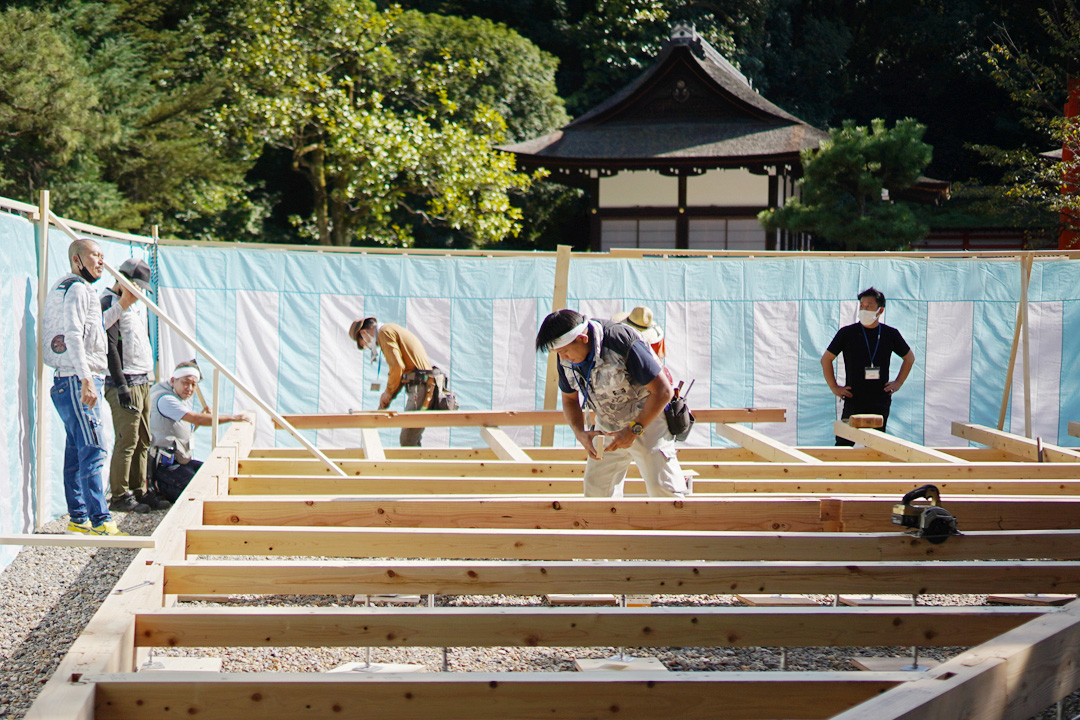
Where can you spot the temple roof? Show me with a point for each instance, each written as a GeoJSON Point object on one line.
{"type": "Point", "coordinates": [691, 107]}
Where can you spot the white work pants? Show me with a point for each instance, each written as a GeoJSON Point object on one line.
{"type": "Point", "coordinates": [654, 453]}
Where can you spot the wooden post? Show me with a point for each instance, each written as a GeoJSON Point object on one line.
{"type": "Point", "coordinates": [1025, 278]}
{"type": "Point", "coordinates": [1025, 269]}
{"type": "Point", "coordinates": [214, 409]}
{"type": "Point", "coordinates": [558, 302]}
{"type": "Point", "coordinates": [39, 414]}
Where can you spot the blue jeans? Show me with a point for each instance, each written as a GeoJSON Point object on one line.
{"type": "Point", "coordinates": [84, 454]}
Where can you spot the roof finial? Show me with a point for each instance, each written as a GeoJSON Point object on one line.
{"type": "Point", "coordinates": [683, 33]}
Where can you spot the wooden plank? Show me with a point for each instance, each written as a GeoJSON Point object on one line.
{"type": "Point", "coordinates": [107, 642]}
{"type": "Point", "coordinates": [935, 470]}
{"type": "Point", "coordinates": [1014, 444]}
{"type": "Point", "coordinates": [453, 577]}
{"type": "Point", "coordinates": [497, 418]}
{"type": "Point", "coordinates": [533, 544]}
{"type": "Point", "coordinates": [503, 446]}
{"type": "Point", "coordinates": [741, 513]}
{"type": "Point", "coordinates": [562, 487]}
{"type": "Point", "coordinates": [576, 627]}
{"type": "Point", "coordinates": [558, 302]}
{"type": "Point", "coordinates": [1015, 676]}
{"type": "Point", "coordinates": [488, 696]}
{"type": "Point", "coordinates": [763, 445]}
{"type": "Point", "coordinates": [892, 446]}
{"type": "Point", "coordinates": [373, 447]}
{"type": "Point", "coordinates": [134, 541]}
{"type": "Point", "coordinates": [1074, 428]}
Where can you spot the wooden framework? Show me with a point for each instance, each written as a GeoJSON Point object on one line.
{"type": "Point", "coordinates": [513, 521]}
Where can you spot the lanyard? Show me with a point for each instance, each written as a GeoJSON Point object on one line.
{"type": "Point", "coordinates": [587, 378]}
{"type": "Point", "coordinates": [876, 345]}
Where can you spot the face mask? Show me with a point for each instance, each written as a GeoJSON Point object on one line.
{"type": "Point", "coordinates": [85, 274]}
{"type": "Point", "coordinates": [867, 317]}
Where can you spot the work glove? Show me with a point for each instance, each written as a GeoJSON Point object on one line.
{"type": "Point", "coordinates": [124, 395]}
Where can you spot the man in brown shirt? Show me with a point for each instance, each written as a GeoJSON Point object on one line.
{"type": "Point", "coordinates": [407, 362]}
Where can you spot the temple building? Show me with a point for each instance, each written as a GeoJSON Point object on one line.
{"type": "Point", "coordinates": [684, 157]}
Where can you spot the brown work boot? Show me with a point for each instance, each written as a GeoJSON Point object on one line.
{"type": "Point", "coordinates": [128, 503]}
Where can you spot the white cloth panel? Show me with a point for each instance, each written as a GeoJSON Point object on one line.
{"type": "Point", "coordinates": [948, 370]}
{"type": "Point", "coordinates": [344, 371]}
{"type": "Point", "coordinates": [429, 319]}
{"type": "Point", "coordinates": [1044, 346]}
{"type": "Point", "coordinates": [686, 334]}
{"type": "Point", "coordinates": [513, 372]}
{"type": "Point", "coordinates": [173, 349]}
{"type": "Point", "coordinates": [600, 309]}
{"type": "Point", "coordinates": [257, 358]}
{"type": "Point", "coordinates": [776, 364]}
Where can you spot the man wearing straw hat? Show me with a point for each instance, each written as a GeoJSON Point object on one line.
{"type": "Point", "coordinates": [608, 368]}
{"type": "Point", "coordinates": [73, 343]}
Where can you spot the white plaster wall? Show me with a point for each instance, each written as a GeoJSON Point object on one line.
{"type": "Point", "coordinates": [639, 188]}
{"type": "Point", "coordinates": [727, 188]}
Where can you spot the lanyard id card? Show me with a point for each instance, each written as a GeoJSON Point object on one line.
{"type": "Point", "coordinates": [872, 373]}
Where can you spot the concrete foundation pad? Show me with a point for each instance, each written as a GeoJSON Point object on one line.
{"type": "Point", "coordinates": [378, 668]}
{"type": "Point", "coordinates": [388, 599]}
{"type": "Point", "coordinates": [1041, 599]}
{"type": "Point", "coordinates": [778, 600]}
{"type": "Point", "coordinates": [627, 663]}
{"type": "Point", "coordinates": [580, 599]}
{"type": "Point", "coordinates": [188, 664]}
{"type": "Point", "coordinates": [874, 600]}
{"type": "Point", "coordinates": [892, 664]}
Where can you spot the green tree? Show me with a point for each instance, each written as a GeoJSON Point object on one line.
{"type": "Point", "coordinates": [1037, 188]}
{"type": "Point", "coordinates": [842, 197]}
{"type": "Point", "coordinates": [312, 79]}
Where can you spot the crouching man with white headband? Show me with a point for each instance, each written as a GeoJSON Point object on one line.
{"type": "Point", "coordinates": [608, 368]}
{"type": "Point", "coordinates": [172, 422]}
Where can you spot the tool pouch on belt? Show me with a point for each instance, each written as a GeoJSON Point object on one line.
{"type": "Point", "coordinates": [438, 396]}
{"type": "Point", "coordinates": [679, 418]}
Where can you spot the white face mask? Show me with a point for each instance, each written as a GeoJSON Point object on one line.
{"type": "Point", "coordinates": [867, 317]}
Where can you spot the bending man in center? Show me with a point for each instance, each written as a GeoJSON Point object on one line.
{"type": "Point", "coordinates": [607, 367]}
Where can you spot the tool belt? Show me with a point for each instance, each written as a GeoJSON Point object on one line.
{"type": "Point", "coordinates": [437, 394]}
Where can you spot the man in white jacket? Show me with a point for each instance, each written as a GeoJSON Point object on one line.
{"type": "Point", "coordinates": [74, 345]}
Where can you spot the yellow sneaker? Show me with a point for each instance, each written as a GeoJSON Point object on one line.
{"type": "Point", "coordinates": [107, 528]}
{"type": "Point", "coordinates": [78, 528]}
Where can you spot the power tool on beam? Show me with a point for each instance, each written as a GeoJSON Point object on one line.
{"type": "Point", "coordinates": [932, 521]}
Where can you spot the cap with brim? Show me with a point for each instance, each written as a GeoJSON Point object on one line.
{"type": "Point", "coordinates": [138, 272]}
{"type": "Point", "coordinates": [641, 319]}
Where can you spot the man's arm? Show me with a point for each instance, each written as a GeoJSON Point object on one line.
{"type": "Point", "coordinates": [660, 394]}
{"type": "Point", "coordinates": [205, 419]}
{"type": "Point", "coordinates": [115, 356]}
{"type": "Point", "coordinates": [110, 317]}
{"type": "Point", "coordinates": [395, 367]}
{"type": "Point", "coordinates": [575, 417]}
{"type": "Point", "coordinates": [830, 376]}
{"type": "Point", "coordinates": [905, 368]}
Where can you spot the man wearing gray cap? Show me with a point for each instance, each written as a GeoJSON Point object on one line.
{"type": "Point", "coordinates": [127, 389]}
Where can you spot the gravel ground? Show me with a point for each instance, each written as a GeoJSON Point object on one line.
{"type": "Point", "coordinates": [48, 594]}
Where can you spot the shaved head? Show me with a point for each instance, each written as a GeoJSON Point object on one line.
{"type": "Point", "coordinates": [81, 247]}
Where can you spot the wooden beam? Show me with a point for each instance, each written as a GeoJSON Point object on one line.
{"type": "Point", "coordinates": [1015, 444]}
{"type": "Point", "coordinates": [764, 513]}
{"type": "Point", "coordinates": [134, 541]}
{"type": "Point", "coordinates": [558, 302]}
{"type": "Point", "coordinates": [563, 487]}
{"type": "Point", "coordinates": [452, 577]}
{"type": "Point", "coordinates": [373, 447]}
{"type": "Point", "coordinates": [1074, 428]}
{"type": "Point", "coordinates": [576, 627]}
{"type": "Point", "coordinates": [497, 418]}
{"type": "Point", "coordinates": [935, 470]}
{"type": "Point", "coordinates": [763, 445]}
{"type": "Point", "coordinates": [107, 642]}
{"type": "Point", "coordinates": [533, 544]}
{"type": "Point", "coordinates": [1012, 677]}
{"type": "Point", "coordinates": [504, 447]}
{"type": "Point", "coordinates": [487, 696]}
{"type": "Point", "coordinates": [893, 446]}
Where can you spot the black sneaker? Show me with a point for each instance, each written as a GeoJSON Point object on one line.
{"type": "Point", "coordinates": [155, 501]}
{"type": "Point", "coordinates": [128, 503]}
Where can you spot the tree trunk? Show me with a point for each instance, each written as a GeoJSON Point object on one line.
{"type": "Point", "coordinates": [315, 170]}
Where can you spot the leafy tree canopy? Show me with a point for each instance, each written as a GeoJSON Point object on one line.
{"type": "Point", "coordinates": [842, 199]}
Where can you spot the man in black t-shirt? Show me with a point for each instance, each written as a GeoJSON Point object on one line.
{"type": "Point", "coordinates": [867, 346]}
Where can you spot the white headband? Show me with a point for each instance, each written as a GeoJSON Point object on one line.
{"type": "Point", "coordinates": [569, 337]}
{"type": "Point", "coordinates": [187, 371]}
